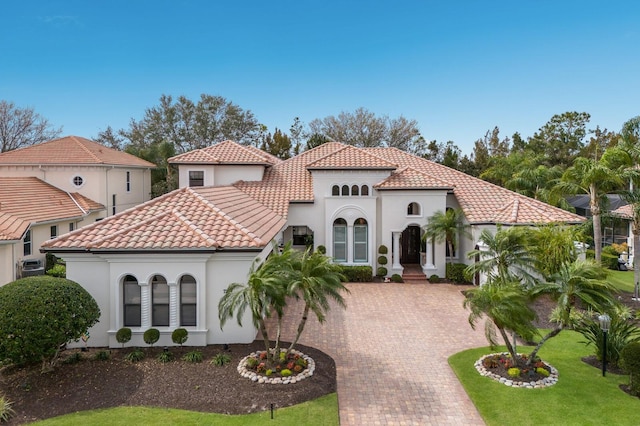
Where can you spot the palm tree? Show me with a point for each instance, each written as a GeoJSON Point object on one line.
{"type": "Point", "coordinates": [595, 178]}
{"type": "Point", "coordinates": [633, 198]}
{"type": "Point", "coordinates": [505, 256]}
{"type": "Point", "coordinates": [581, 280]}
{"type": "Point", "coordinates": [446, 227]}
{"type": "Point", "coordinates": [506, 306]}
{"type": "Point", "coordinates": [264, 291]}
{"type": "Point", "coordinates": [552, 246]}
{"type": "Point", "coordinates": [317, 281]}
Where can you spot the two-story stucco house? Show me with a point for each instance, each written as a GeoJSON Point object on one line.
{"type": "Point", "coordinates": [166, 263]}
{"type": "Point", "coordinates": [54, 187]}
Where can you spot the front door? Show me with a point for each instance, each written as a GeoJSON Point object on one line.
{"type": "Point", "coordinates": [410, 245]}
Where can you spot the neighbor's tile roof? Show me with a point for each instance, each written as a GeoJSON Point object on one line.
{"type": "Point", "coordinates": [624, 212]}
{"type": "Point", "coordinates": [348, 157]}
{"type": "Point", "coordinates": [227, 152]}
{"type": "Point", "coordinates": [211, 218]}
{"type": "Point", "coordinates": [410, 178]}
{"type": "Point", "coordinates": [71, 150]}
{"type": "Point", "coordinates": [26, 200]}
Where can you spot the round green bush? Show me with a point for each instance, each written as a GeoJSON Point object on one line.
{"type": "Point", "coordinates": [38, 315]}
{"type": "Point", "coordinates": [179, 336]}
{"type": "Point", "coordinates": [285, 372]}
{"type": "Point", "coordinates": [151, 336]}
{"type": "Point", "coordinates": [630, 362]}
{"type": "Point", "coordinates": [382, 260]}
{"type": "Point", "coordinates": [434, 279]}
{"type": "Point", "coordinates": [383, 249]}
{"type": "Point", "coordinates": [382, 272]}
{"type": "Point", "coordinates": [123, 335]}
{"type": "Point", "coordinates": [322, 249]}
{"type": "Point", "coordinates": [397, 278]}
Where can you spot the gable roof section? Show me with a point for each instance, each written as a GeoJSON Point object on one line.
{"type": "Point", "coordinates": [208, 219]}
{"type": "Point", "coordinates": [227, 152]}
{"type": "Point", "coordinates": [27, 200]}
{"type": "Point", "coordinates": [71, 150]}
{"type": "Point", "coordinates": [410, 178]}
{"type": "Point", "coordinates": [348, 157]}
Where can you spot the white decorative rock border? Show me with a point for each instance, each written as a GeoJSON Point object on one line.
{"type": "Point", "coordinates": [547, 381]}
{"type": "Point", "coordinates": [259, 378]}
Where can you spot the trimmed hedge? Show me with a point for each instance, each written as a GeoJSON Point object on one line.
{"type": "Point", "coordinates": [383, 249]}
{"type": "Point", "coordinates": [382, 260]}
{"type": "Point", "coordinates": [397, 278]}
{"type": "Point", "coordinates": [357, 274]}
{"type": "Point", "coordinates": [456, 274]}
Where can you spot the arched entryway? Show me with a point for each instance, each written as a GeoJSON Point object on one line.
{"type": "Point", "coordinates": [410, 245]}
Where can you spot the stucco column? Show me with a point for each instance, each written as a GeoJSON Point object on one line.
{"type": "Point", "coordinates": [428, 250]}
{"type": "Point", "coordinates": [174, 308]}
{"type": "Point", "coordinates": [396, 251]}
{"type": "Point", "coordinates": [145, 306]}
{"type": "Point", "coordinates": [350, 243]}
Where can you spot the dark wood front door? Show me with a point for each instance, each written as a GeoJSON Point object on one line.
{"type": "Point", "coordinates": [410, 245]}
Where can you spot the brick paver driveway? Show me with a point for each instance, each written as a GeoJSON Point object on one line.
{"type": "Point", "coordinates": [419, 324]}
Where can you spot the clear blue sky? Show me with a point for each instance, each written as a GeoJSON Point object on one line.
{"type": "Point", "coordinates": [457, 67]}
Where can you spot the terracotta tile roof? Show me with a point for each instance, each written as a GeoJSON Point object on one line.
{"type": "Point", "coordinates": [71, 150]}
{"type": "Point", "coordinates": [348, 157]}
{"type": "Point", "coordinates": [482, 202]}
{"type": "Point", "coordinates": [210, 218]}
{"type": "Point", "coordinates": [625, 212]}
{"type": "Point", "coordinates": [227, 152]}
{"type": "Point", "coordinates": [410, 178]}
{"type": "Point", "coordinates": [25, 200]}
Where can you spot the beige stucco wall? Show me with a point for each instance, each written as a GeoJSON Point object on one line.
{"type": "Point", "coordinates": [220, 175]}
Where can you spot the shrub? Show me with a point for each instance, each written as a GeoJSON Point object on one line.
{"type": "Point", "coordinates": [179, 336]}
{"type": "Point", "coordinates": [58, 270]}
{"type": "Point", "coordinates": [39, 315]}
{"type": "Point", "coordinates": [630, 361]}
{"type": "Point", "coordinates": [382, 260]}
{"type": "Point", "coordinates": [434, 279]}
{"type": "Point", "coordinates": [382, 272]}
{"type": "Point", "coordinates": [513, 372]}
{"type": "Point", "coordinates": [285, 372]}
{"type": "Point", "coordinates": [123, 335]}
{"type": "Point", "coordinates": [73, 358]}
{"type": "Point", "coordinates": [322, 249]}
{"type": "Point", "coordinates": [396, 278]}
{"type": "Point", "coordinates": [50, 261]}
{"type": "Point", "coordinates": [151, 336]}
{"type": "Point", "coordinates": [268, 372]}
{"type": "Point", "coordinates": [135, 355]}
{"type": "Point", "coordinates": [354, 274]}
{"type": "Point", "coordinates": [5, 409]}
{"type": "Point", "coordinates": [542, 371]}
{"type": "Point", "coordinates": [193, 356]}
{"type": "Point", "coordinates": [251, 362]}
{"type": "Point", "coordinates": [456, 273]}
{"type": "Point", "coordinates": [610, 257]}
{"type": "Point", "coordinates": [166, 356]}
{"type": "Point", "coordinates": [383, 249]}
{"type": "Point", "coordinates": [302, 362]}
{"type": "Point", "coordinates": [102, 355]}
{"type": "Point", "coordinates": [221, 359]}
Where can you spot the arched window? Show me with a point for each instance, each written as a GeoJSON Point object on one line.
{"type": "Point", "coordinates": [131, 302]}
{"type": "Point", "coordinates": [413, 209]}
{"type": "Point", "coordinates": [355, 190]}
{"type": "Point", "coordinates": [364, 191]}
{"type": "Point", "coordinates": [345, 190]}
{"type": "Point", "coordinates": [159, 302]}
{"type": "Point", "coordinates": [360, 241]}
{"type": "Point", "coordinates": [188, 301]}
{"type": "Point", "coordinates": [335, 190]}
{"type": "Point", "coordinates": [340, 240]}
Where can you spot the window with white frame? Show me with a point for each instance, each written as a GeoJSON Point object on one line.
{"type": "Point", "coordinates": [364, 190]}
{"type": "Point", "coordinates": [132, 308]}
{"type": "Point", "coordinates": [340, 240]}
{"type": "Point", "coordinates": [188, 301]}
{"type": "Point", "coordinates": [159, 301]}
{"type": "Point", "coordinates": [360, 241]}
{"type": "Point", "coordinates": [26, 243]}
{"type": "Point", "coordinates": [72, 226]}
{"type": "Point", "coordinates": [413, 209]}
{"type": "Point", "coordinates": [53, 231]}
{"type": "Point", "coordinates": [335, 190]}
{"type": "Point", "coordinates": [196, 178]}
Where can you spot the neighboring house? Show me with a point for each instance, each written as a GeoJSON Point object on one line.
{"type": "Point", "coordinates": [614, 228]}
{"type": "Point", "coordinates": [31, 212]}
{"type": "Point", "coordinates": [625, 215]}
{"type": "Point", "coordinates": [166, 263]}
{"type": "Point", "coordinates": [110, 177]}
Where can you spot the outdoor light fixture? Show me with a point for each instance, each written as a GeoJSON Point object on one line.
{"type": "Point", "coordinates": [605, 323]}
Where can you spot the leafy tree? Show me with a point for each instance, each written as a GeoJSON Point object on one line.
{"type": "Point", "coordinates": [486, 151]}
{"type": "Point", "coordinates": [316, 280]}
{"type": "Point", "coordinates": [446, 227]}
{"type": "Point", "coordinates": [21, 127]}
{"type": "Point", "coordinates": [631, 131]}
{"type": "Point", "coordinates": [599, 143]}
{"type": "Point", "coordinates": [110, 138]}
{"type": "Point", "coordinates": [39, 315]}
{"type": "Point", "coordinates": [315, 140]}
{"type": "Point", "coordinates": [552, 246]}
{"type": "Point", "coordinates": [296, 134]}
{"type": "Point", "coordinates": [561, 138]}
{"type": "Point", "coordinates": [538, 182]}
{"type": "Point", "coordinates": [278, 145]}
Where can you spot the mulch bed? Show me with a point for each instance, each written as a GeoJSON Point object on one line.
{"type": "Point", "coordinates": [90, 384]}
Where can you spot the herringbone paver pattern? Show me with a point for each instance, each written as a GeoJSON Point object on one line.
{"type": "Point", "coordinates": [391, 346]}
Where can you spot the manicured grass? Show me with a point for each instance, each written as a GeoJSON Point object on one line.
{"type": "Point", "coordinates": [322, 412]}
{"type": "Point", "coordinates": [581, 396]}
{"type": "Point", "coordinates": [622, 280]}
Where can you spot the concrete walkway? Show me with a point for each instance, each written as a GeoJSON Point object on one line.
{"type": "Point", "coordinates": [391, 346]}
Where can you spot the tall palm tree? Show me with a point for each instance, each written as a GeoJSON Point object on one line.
{"type": "Point", "coordinates": [446, 227]}
{"type": "Point", "coordinates": [317, 281]}
{"type": "Point", "coordinates": [264, 291]}
{"type": "Point", "coordinates": [506, 306]}
{"type": "Point", "coordinates": [581, 280]}
{"type": "Point", "coordinates": [505, 256]}
{"type": "Point", "coordinates": [595, 178]}
{"type": "Point", "coordinates": [552, 246]}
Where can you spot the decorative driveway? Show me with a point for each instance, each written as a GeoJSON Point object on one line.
{"type": "Point", "coordinates": [391, 346]}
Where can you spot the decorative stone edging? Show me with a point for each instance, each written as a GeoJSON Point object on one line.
{"type": "Point", "coordinates": [547, 381]}
{"type": "Point", "coordinates": [255, 377]}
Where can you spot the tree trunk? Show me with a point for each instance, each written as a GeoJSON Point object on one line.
{"type": "Point", "coordinates": [636, 254]}
{"type": "Point", "coordinates": [597, 225]}
{"type": "Point", "coordinates": [301, 325]}
{"type": "Point", "coordinates": [549, 335]}
{"type": "Point", "coordinates": [265, 337]}
{"type": "Point", "coordinates": [510, 348]}
{"type": "Point", "coordinates": [278, 333]}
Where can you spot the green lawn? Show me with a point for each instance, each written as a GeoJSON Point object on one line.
{"type": "Point", "coordinates": [321, 412]}
{"type": "Point", "coordinates": [622, 280]}
{"type": "Point", "coordinates": [581, 396]}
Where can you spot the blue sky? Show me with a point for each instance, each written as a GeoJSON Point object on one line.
{"type": "Point", "coordinates": [457, 67]}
